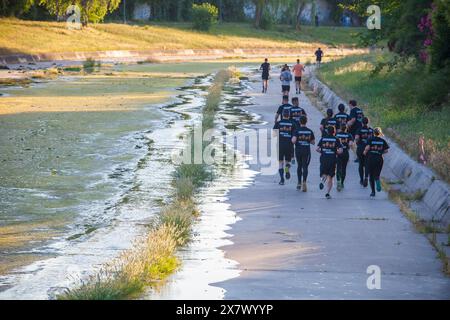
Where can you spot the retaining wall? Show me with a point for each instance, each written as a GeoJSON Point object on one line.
{"type": "Point", "coordinates": [171, 55]}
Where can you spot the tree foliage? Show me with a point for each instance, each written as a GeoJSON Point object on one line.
{"type": "Point", "coordinates": [204, 16]}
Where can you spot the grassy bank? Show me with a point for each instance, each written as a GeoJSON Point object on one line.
{"type": "Point", "coordinates": [153, 257]}
{"type": "Point", "coordinates": [19, 36]}
{"type": "Point", "coordinates": [385, 99]}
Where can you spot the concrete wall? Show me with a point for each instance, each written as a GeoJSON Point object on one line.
{"type": "Point", "coordinates": [408, 175]}
{"type": "Point", "coordinates": [171, 55]}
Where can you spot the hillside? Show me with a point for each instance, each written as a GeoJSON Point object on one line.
{"type": "Point", "coordinates": [20, 36]}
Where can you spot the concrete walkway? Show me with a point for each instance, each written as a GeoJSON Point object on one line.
{"type": "Point", "coordinates": [295, 245]}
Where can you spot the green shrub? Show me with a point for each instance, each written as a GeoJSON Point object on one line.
{"type": "Point", "coordinates": [267, 21]}
{"type": "Point", "coordinates": [90, 64]}
{"type": "Point", "coordinates": [204, 16]}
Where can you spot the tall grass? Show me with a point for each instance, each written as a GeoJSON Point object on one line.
{"type": "Point", "coordinates": [379, 97]}
{"type": "Point", "coordinates": [153, 257]}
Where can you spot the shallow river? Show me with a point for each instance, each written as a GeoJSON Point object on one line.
{"type": "Point", "coordinates": [85, 168]}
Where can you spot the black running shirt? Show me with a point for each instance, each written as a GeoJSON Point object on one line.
{"type": "Point", "coordinates": [344, 138]}
{"type": "Point", "coordinates": [377, 146]}
{"type": "Point", "coordinates": [341, 119]}
{"type": "Point", "coordinates": [304, 138]}
{"type": "Point", "coordinates": [286, 130]}
{"type": "Point", "coordinates": [365, 133]}
{"type": "Point", "coordinates": [329, 145]}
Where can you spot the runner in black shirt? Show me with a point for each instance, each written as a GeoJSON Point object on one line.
{"type": "Point", "coordinates": [319, 55]}
{"type": "Point", "coordinates": [285, 106]}
{"type": "Point", "coordinates": [341, 117]}
{"type": "Point", "coordinates": [356, 117]}
{"type": "Point", "coordinates": [361, 138]}
{"type": "Point", "coordinates": [376, 147]}
{"type": "Point", "coordinates": [346, 140]}
{"type": "Point", "coordinates": [286, 129]}
{"type": "Point", "coordinates": [329, 146]}
{"type": "Point", "coordinates": [265, 67]}
{"type": "Point", "coordinates": [302, 139]}
{"type": "Point", "coordinates": [297, 111]}
{"type": "Point", "coordinates": [328, 121]}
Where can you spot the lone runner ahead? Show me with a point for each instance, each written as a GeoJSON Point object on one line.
{"type": "Point", "coordinates": [265, 67]}
{"type": "Point", "coordinates": [298, 72]}
{"type": "Point", "coordinates": [319, 55]}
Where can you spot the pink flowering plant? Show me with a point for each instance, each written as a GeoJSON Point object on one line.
{"type": "Point", "coordinates": [426, 27]}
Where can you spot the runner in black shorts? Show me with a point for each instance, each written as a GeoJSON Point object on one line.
{"type": "Point", "coordinates": [319, 55]}
{"type": "Point", "coordinates": [346, 140]}
{"type": "Point", "coordinates": [265, 67]}
{"type": "Point", "coordinates": [329, 146]}
{"type": "Point", "coordinates": [361, 138]}
{"type": "Point", "coordinates": [375, 149]}
{"type": "Point", "coordinates": [286, 128]}
{"type": "Point", "coordinates": [302, 139]}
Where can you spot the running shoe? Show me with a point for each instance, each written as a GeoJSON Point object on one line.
{"type": "Point", "coordinates": [361, 182]}
{"type": "Point", "coordinates": [366, 182]}
{"type": "Point", "coordinates": [372, 194]}
{"type": "Point", "coordinates": [378, 184]}
{"type": "Point", "coordinates": [281, 183]}
{"type": "Point", "coordinates": [299, 186]}
{"type": "Point", "coordinates": [304, 186]}
{"type": "Point", "coordinates": [328, 196]}
{"type": "Point", "coordinates": [288, 174]}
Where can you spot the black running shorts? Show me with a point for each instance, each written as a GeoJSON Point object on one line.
{"type": "Point", "coordinates": [327, 166]}
{"type": "Point", "coordinates": [285, 152]}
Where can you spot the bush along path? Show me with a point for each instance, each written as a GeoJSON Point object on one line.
{"type": "Point", "coordinates": [153, 257]}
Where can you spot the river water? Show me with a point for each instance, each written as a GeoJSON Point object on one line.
{"type": "Point", "coordinates": [76, 188]}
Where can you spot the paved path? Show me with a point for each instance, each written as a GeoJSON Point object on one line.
{"type": "Point", "coordinates": [294, 245]}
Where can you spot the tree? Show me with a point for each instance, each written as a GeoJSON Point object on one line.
{"type": "Point", "coordinates": [91, 10]}
{"type": "Point", "coordinates": [259, 11]}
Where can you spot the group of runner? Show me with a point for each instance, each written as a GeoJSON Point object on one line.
{"type": "Point", "coordinates": [340, 132]}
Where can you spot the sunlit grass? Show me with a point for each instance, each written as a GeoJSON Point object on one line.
{"type": "Point", "coordinates": [20, 36]}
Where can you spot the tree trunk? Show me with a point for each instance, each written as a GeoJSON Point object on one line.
{"type": "Point", "coordinates": [259, 11]}
{"type": "Point", "coordinates": [300, 6]}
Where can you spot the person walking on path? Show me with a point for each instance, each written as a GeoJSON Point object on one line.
{"type": "Point", "coordinates": [298, 72]}
{"type": "Point", "coordinates": [362, 137]}
{"type": "Point", "coordinates": [375, 149]}
{"type": "Point", "coordinates": [265, 67]}
{"type": "Point", "coordinates": [329, 147]}
{"type": "Point", "coordinates": [346, 140]}
{"type": "Point", "coordinates": [302, 139]}
{"type": "Point", "coordinates": [286, 129]}
{"type": "Point", "coordinates": [319, 55]}
{"type": "Point", "coordinates": [286, 78]}
{"type": "Point", "coordinates": [329, 120]}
